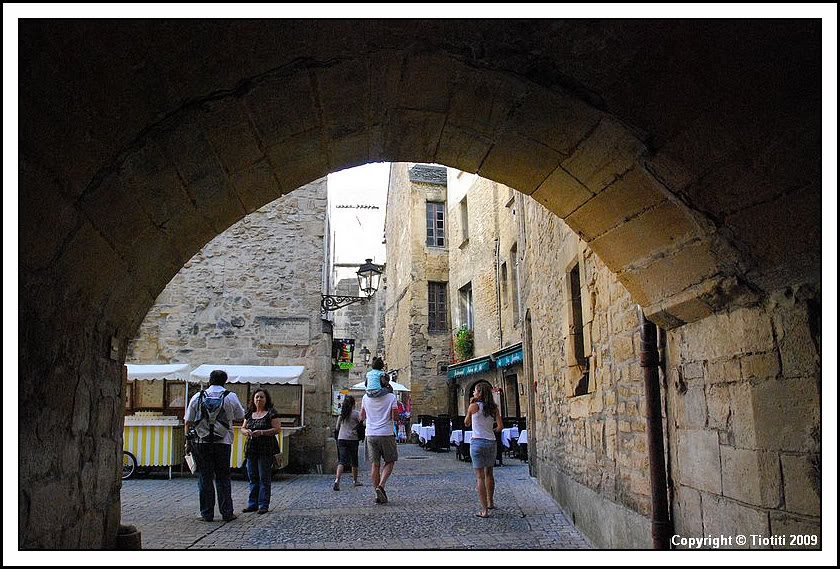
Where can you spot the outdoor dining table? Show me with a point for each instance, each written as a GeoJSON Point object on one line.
{"type": "Point", "coordinates": [415, 428]}
{"type": "Point", "coordinates": [426, 433]}
{"type": "Point", "coordinates": [461, 439]}
{"type": "Point", "coordinates": [523, 445]}
{"type": "Point", "coordinates": [509, 434]}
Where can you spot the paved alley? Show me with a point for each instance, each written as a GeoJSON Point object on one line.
{"type": "Point", "coordinates": [432, 499]}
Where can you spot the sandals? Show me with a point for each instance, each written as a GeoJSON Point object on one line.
{"type": "Point", "coordinates": [480, 515]}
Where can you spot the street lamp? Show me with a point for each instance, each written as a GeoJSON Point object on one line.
{"type": "Point", "coordinates": [365, 353]}
{"type": "Point", "coordinates": [369, 275]}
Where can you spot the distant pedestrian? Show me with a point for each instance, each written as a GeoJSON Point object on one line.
{"type": "Point", "coordinates": [381, 415]}
{"type": "Point", "coordinates": [348, 441]}
{"type": "Point", "coordinates": [262, 423]}
{"type": "Point", "coordinates": [209, 422]}
{"type": "Point", "coordinates": [481, 414]}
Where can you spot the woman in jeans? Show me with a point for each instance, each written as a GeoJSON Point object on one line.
{"type": "Point", "coordinates": [262, 423]}
{"type": "Point", "coordinates": [481, 415]}
{"type": "Point", "coordinates": [348, 441]}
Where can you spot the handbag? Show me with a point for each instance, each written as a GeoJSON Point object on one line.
{"type": "Point", "coordinates": [360, 431]}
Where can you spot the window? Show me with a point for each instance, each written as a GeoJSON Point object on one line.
{"type": "Point", "coordinates": [434, 224]}
{"type": "Point", "coordinates": [514, 289]}
{"type": "Point", "coordinates": [503, 277]}
{"type": "Point", "coordinates": [437, 307]}
{"type": "Point", "coordinates": [465, 221]}
{"type": "Point", "coordinates": [577, 347]}
{"type": "Point", "coordinates": [465, 304]}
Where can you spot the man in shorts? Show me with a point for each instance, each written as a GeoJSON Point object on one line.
{"type": "Point", "coordinates": [381, 415]}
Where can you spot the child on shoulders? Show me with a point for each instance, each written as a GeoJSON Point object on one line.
{"type": "Point", "coordinates": [376, 382]}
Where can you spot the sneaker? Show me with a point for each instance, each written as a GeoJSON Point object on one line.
{"type": "Point", "coordinates": [335, 485]}
{"type": "Point", "coordinates": [249, 509]}
{"type": "Point", "coordinates": [206, 519]}
{"type": "Point", "coordinates": [262, 511]}
{"type": "Point", "coordinates": [229, 518]}
{"type": "Point", "coordinates": [381, 497]}
{"type": "Point", "coordinates": [357, 483]}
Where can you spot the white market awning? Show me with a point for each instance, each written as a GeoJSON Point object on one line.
{"type": "Point", "coordinates": [158, 371]}
{"type": "Point", "coordinates": [266, 375]}
{"type": "Point", "coordinates": [394, 384]}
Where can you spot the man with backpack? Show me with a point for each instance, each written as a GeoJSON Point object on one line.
{"type": "Point", "coordinates": [209, 422]}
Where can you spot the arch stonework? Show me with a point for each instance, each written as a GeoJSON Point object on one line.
{"type": "Point", "coordinates": [689, 168]}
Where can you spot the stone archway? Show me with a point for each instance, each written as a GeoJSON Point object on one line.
{"type": "Point", "coordinates": [141, 141]}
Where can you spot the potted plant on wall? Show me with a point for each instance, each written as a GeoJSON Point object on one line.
{"type": "Point", "coordinates": [464, 344]}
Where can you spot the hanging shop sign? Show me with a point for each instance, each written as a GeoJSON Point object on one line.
{"type": "Point", "coordinates": [509, 359]}
{"type": "Point", "coordinates": [343, 350]}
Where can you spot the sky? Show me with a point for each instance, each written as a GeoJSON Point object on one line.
{"type": "Point", "coordinates": [357, 212]}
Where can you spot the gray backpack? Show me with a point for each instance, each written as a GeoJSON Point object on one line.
{"type": "Point", "coordinates": [213, 423]}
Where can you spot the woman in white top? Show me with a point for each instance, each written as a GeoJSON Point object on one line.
{"type": "Point", "coordinates": [481, 415]}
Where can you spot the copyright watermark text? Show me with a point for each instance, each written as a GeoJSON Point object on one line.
{"type": "Point", "coordinates": [741, 540]}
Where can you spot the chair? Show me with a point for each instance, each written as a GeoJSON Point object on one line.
{"type": "Point", "coordinates": [440, 440]}
{"type": "Point", "coordinates": [426, 420]}
{"type": "Point", "coordinates": [521, 424]}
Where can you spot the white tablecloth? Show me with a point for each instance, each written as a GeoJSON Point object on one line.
{"type": "Point", "coordinates": [456, 437]}
{"type": "Point", "coordinates": [426, 433]}
{"type": "Point", "coordinates": [508, 434]}
{"type": "Point", "coordinates": [415, 428]}
{"type": "Point", "coordinates": [523, 437]}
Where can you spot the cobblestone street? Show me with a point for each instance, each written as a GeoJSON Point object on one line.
{"type": "Point", "coordinates": [432, 499]}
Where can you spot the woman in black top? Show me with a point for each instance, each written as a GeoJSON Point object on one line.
{"type": "Point", "coordinates": [262, 423]}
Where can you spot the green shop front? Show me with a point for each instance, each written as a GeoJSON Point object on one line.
{"type": "Point", "coordinates": [502, 370]}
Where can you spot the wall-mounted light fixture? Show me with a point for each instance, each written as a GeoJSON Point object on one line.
{"type": "Point", "coordinates": [369, 275]}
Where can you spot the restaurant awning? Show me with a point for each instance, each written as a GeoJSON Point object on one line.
{"type": "Point", "coordinates": [508, 356]}
{"type": "Point", "coordinates": [266, 375]}
{"type": "Point", "coordinates": [469, 367]}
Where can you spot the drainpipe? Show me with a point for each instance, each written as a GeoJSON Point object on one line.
{"type": "Point", "coordinates": [661, 529]}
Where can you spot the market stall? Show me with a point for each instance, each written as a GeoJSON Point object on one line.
{"type": "Point", "coordinates": [153, 428]}
{"type": "Point", "coordinates": [281, 382]}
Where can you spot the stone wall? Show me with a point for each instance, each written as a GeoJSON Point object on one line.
{"type": "Point", "coordinates": [360, 322]}
{"type": "Point", "coordinates": [744, 394]}
{"type": "Point", "coordinates": [251, 296]}
{"type": "Point", "coordinates": [592, 448]}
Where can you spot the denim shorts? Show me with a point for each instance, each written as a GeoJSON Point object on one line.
{"type": "Point", "coordinates": [483, 453]}
{"type": "Point", "coordinates": [348, 453]}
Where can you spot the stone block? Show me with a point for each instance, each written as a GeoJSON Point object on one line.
{"type": "Point", "coordinates": [298, 160]}
{"type": "Point", "coordinates": [554, 119]}
{"type": "Point", "coordinates": [230, 134]}
{"type": "Point", "coordinates": [562, 194]}
{"type": "Point", "coordinates": [742, 419]}
{"type": "Point", "coordinates": [634, 241]}
{"type": "Point", "coordinates": [799, 354]}
{"type": "Point", "coordinates": [688, 519]}
{"type": "Point", "coordinates": [751, 476]}
{"type": "Point", "coordinates": [760, 366]}
{"type": "Point", "coordinates": [461, 149]}
{"type": "Point", "coordinates": [427, 126]}
{"type": "Point", "coordinates": [631, 194]}
{"type": "Point", "coordinates": [671, 275]}
{"type": "Point", "coordinates": [282, 107]}
{"type": "Point", "coordinates": [802, 485]}
{"type": "Point", "coordinates": [693, 404]}
{"type": "Point", "coordinates": [717, 403]}
{"type": "Point", "coordinates": [607, 153]}
{"type": "Point", "coordinates": [347, 151]}
{"type": "Point", "coordinates": [699, 460]}
{"type": "Point", "coordinates": [482, 103]}
{"type": "Point", "coordinates": [787, 413]}
{"type": "Point", "coordinates": [519, 163]}
{"type": "Point", "coordinates": [786, 525]}
{"type": "Point", "coordinates": [724, 371]}
{"type": "Point", "coordinates": [722, 516]}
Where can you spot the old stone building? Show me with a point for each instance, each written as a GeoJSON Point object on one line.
{"type": "Point", "coordinates": [417, 346]}
{"type": "Point", "coordinates": [690, 166]}
{"type": "Point", "coordinates": [252, 296]}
